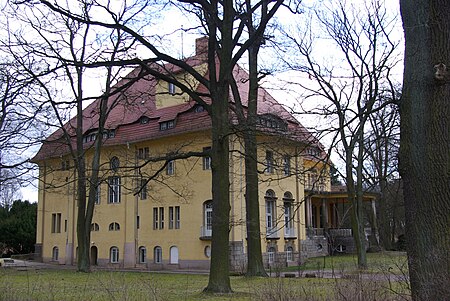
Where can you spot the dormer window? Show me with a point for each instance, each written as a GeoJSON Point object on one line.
{"type": "Point", "coordinates": [272, 121]}
{"type": "Point", "coordinates": [165, 125]}
{"type": "Point", "coordinates": [144, 120]}
{"type": "Point", "coordinates": [172, 89]}
{"type": "Point", "coordinates": [199, 109]}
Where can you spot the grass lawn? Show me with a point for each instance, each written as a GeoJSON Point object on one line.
{"type": "Point", "coordinates": [115, 285]}
{"type": "Point", "coordinates": [382, 262]}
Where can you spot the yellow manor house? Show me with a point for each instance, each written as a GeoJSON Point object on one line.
{"type": "Point", "coordinates": [155, 214]}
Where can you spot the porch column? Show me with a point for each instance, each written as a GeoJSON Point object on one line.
{"type": "Point", "coordinates": [308, 221]}
{"type": "Point", "coordinates": [324, 208]}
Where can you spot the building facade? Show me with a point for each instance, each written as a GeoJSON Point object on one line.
{"type": "Point", "coordinates": [156, 213]}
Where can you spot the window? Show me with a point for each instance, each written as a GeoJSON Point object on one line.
{"type": "Point", "coordinates": [56, 222]}
{"type": "Point", "coordinates": [142, 255]}
{"type": "Point", "coordinates": [90, 137]}
{"type": "Point", "coordinates": [207, 159]}
{"type": "Point", "coordinates": [207, 224]}
{"type": "Point", "coordinates": [143, 188]}
{"type": "Point", "coordinates": [97, 195]}
{"type": "Point", "coordinates": [55, 254]}
{"type": "Point", "coordinates": [166, 125]}
{"type": "Point", "coordinates": [171, 217]}
{"type": "Point", "coordinates": [138, 222]}
{"type": "Point", "coordinates": [95, 227]}
{"type": "Point", "coordinates": [161, 218]}
{"type": "Point", "coordinates": [158, 218]}
{"type": "Point", "coordinates": [114, 164]}
{"type": "Point", "coordinates": [271, 254]}
{"type": "Point", "coordinates": [143, 153]}
{"type": "Point", "coordinates": [113, 190]}
{"type": "Point", "coordinates": [269, 162]}
{"type": "Point", "coordinates": [144, 120]}
{"type": "Point", "coordinates": [287, 165]}
{"type": "Point", "coordinates": [114, 255]}
{"type": "Point", "coordinates": [177, 217]}
{"type": "Point", "coordinates": [155, 218]}
{"type": "Point", "coordinates": [170, 168]}
{"type": "Point", "coordinates": [208, 251]}
{"type": "Point", "coordinates": [288, 215]}
{"type": "Point", "coordinates": [172, 89]}
{"type": "Point", "coordinates": [114, 227]}
{"type": "Point", "coordinates": [270, 213]}
{"type": "Point", "coordinates": [65, 165]}
{"type": "Point", "coordinates": [157, 254]}
{"type": "Point", "coordinates": [199, 109]}
{"type": "Point", "coordinates": [65, 225]}
{"type": "Point", "coordinates": [174, 217]}
{"type": "Point", "coordinates": [289, 254]}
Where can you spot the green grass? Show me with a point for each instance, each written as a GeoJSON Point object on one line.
{"type": "Point", "coordinates": [115, 285]}
{"type": "Point", "coordinates": [382, 262]}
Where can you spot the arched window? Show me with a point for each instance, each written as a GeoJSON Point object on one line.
{"type": "Point", "coordinates": [208, 251]}
{"type": "Point", "coordinates": [271, 230]}
{"type": "Point", "coordinates": [114, 227]}
{"type": "Point", "coordinates": [288, 215]}
{"type": "Point", "coordinates": [114, 255]}
{"type": "Point", "coordinates": [289, 254]}
{"type": "Point", "coordinates": [55, 254]}
{"type": "Point", "coordinates": [142, 255]}
{"type": "Point", "coordinates": [271, 254]}
{"type": "Point", "coordinates": [157, 254]}
{"type": "Point", "coordinates": [114, 164]}
{"type": "Point", "coordinates": [207, 219]}
{"type": "Point", "coordinates": [95, 227]}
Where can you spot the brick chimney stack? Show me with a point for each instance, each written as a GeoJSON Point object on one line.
{"type": "Point", "coordinates": [201, 45]}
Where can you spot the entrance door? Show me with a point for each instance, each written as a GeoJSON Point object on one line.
{"type": "Point", "coordinates": [174, 255]}
{"type": "Point", "coordinates": [94, 255]}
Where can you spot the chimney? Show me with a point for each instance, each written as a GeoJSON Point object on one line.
{"type": "Point", "coordinates": [201, 45]}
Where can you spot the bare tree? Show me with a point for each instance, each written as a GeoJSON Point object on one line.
{"type": "Point", "coordinates": [380, 168]}
{"type": "Point", "coordinates": [349, 86]}
{"type": "Point", "coordinates": [424, 146]}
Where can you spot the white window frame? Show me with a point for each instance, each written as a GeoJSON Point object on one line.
{"type": "Point", "coordinates": [114, 190]}
{"type": "Point", "coordinates": [155, 218]}
{"type": "Point", "coordinates": [114, 255]}
{"type": "Point", "coordinates": [144, 190]}
{"type": "Point", "coordinates": [289, 254]}
{"type": "Point", "coordinates": [170, 168]}
{"type": "Point", "coordinates": [271, 255]}
{"type": "Point", "coordinates": [172, 88]}
{"type": "Point", "coordinates": [171, 217]}
{"type": "Point", "coordinates": [177, 217]}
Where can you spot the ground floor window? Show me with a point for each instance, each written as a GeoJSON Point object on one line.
{"type": "Point", "coordinates": [55, 253]}
{"type": "Point", "coordinates": [142, 255]}
{"type": "Point", "coordinates": [271, 254]}
{"type": "Point", "coordinates": [114, 255]}
{"type": "Point", "coordinates": [157, 254]}
{"type": "Point", "coordinates": [289, 254]}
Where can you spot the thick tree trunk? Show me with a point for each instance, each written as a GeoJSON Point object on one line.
{"type": "Point", "coordinates": [425, 146]}
{"type": "Point", "coordinates": [219, 278]}
{"type": "Point", "coordinates": [255, 266]}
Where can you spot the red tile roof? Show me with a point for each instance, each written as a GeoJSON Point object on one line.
{"type": "Point", "coordinates": [139, 100]}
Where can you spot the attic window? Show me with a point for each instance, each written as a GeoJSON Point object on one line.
{"type": "Point", "coordinates": [144, 120]}
{"type": "Point", "coordinates": [89, 138]}
{"type": "Point", "coordinates": [199, 109]}
{"type": "Point", "coordinates": [271, 121]}
{"type": "Point", "coordinates": [172, 89]}
{"type": "Point", "coordinates": [313, 151]}
{"type": "Point", "coordinates": [170, 124]}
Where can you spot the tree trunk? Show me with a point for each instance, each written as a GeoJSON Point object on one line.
{"type": "Point", "coordinates": [255, 266]}
{"type": "Point", "coordinates": [425, 145]}
{"type": "Point", "coordinates": [219, 278]}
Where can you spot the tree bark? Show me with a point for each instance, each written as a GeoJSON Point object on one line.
{"type": "Point", "coordinates": [425, 145]}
